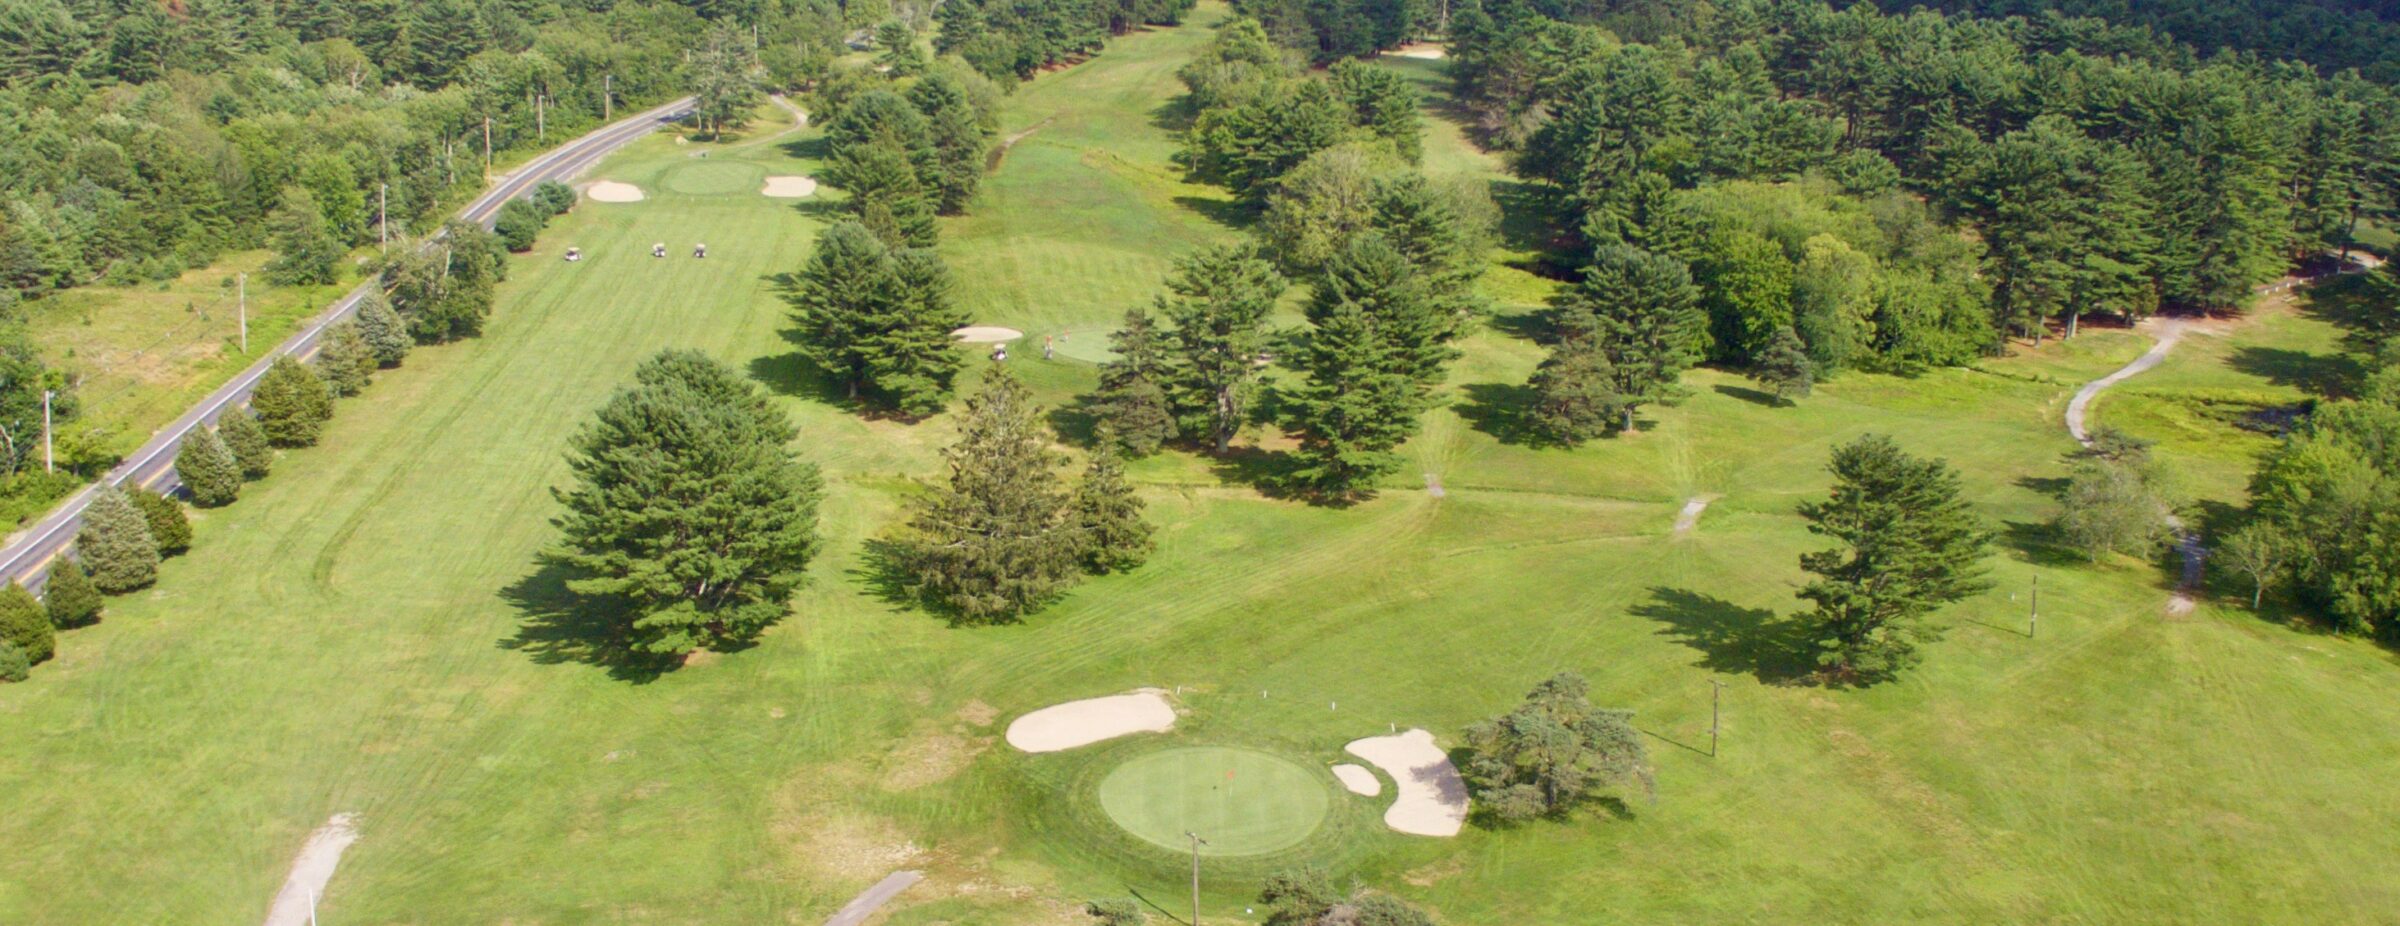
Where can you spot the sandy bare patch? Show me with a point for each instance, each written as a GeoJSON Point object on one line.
{"type": "Point", "coordinates": [978, 713]}
{"type": "Point", "coordinates": [1082, 723]}
{"type": "Point", "coordinates": [1357, 779]}
{"type": "Point", "coordinates": [1689, 517]}
{"type": "Point", "coordinates": [986, 334]}
{"type": "Point", "coordinates": [311, 870]}
{"type": "Point", "coordinates": [789, 187]}
{"type": "Point", "coordinates": [610, 191]}
{"type": "Point", "coordinates": [1432, 799]}
{"type": "Point", "coordinates": [930, 759]}
{"type": "Point", "coordinates": [1426, 50]}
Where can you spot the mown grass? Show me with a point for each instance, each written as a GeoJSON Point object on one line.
{"type": "Point", "coordinates": [368, 630]}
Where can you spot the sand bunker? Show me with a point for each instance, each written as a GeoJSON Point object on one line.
{"type": "Point", "coordinates": [1082, 723]}
{"type": "Point", "coordinates": [986, 334]}
{"type": "Point", "coordinates": [610, 191]}
{"type": "Point", "coordinates": [789, 187]}
{"type": "Point", "coordinates": [318, 857]}
{"type": "Point", "coordinates": [1419, 50]}
{"type": "Point", "coordinates": [1432, 799]}
{"type": "Point", "coordinates": [1358, 779]}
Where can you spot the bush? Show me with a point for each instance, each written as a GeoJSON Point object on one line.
{"type": "Point", "coordinates": [386, 333]}
{"type": "Point", "coordinates": [169, 529]}
{"type": "Point", "coordinates": [520, 221]}
{"type": "Point", "coordinates": [1121, 912]}
{"type": "Point", "coordinates": [292, 404]}
{"type": "Point", "coordinates": [208, 469]}
{"type": "Point", "coordinates": [247, 441]}
{"type": "Point", "coordinates": [24, 624]}
{"type": "Point", "coordinates": [14, 667]}
{"type": "Point", "coordinates": [554, 197]}
{"type": "Point", "coordinates": [115, 543]}
{"type": "Point", "coordinates": [69, 596]}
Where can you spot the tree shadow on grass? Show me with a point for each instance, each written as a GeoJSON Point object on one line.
{"type": "Point", "coordinates": [807, 148]}
{"type": "Point", "coordinates": [1499, 409]}
{"type": "Point", "coordinates": [1077, 422]}
{"type": "Point", "coordinates": [1533, 324]}
{"type": "Point", "coordinates": [2322, 375]}
{"type": "Point", "coordinates": [561, 625]}
{"type": "Point", "coordinates": [2041, 544]}
{"type": "Point", "coordinates": [1224, 212]}
{"type": "Point", "coordinates": [1731, 638]}
{"type": "Point", "coordinates": [1749, 395]}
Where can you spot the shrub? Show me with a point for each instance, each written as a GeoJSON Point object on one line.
{"type": "Point", "coordinates": [519, 222]}
{"type": "Point", "coordinates": [169, 529]}
{"type": "Point", "coordinates": [247, 441]}
{"type": "Point", "coordinates": [69, 596]}
{"type": "Point", "coordinates": [14, 667]}
{"type": "Point", "coordinates": [24, 624]}
{"type": "Point", "coordinates": [115, 543]}
{"type": "Point", "coordinates": [554, 197]}
{"type": "Point", "coordinates": [208, 469]}
{"type": "Point", "coordinates": [386, 333]}
{"type": "Point", "coordinates": [292, 404]}
{"type": "Point", "coordinates": [345, 361]}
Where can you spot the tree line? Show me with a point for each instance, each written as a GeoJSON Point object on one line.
{"type": "Point", "coordinates": [1013, 40]}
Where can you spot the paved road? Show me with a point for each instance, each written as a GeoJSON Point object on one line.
{"type": "Point", "coordinates": [28, 552]}
{"type": "Point", "coordinates": [865, 904]}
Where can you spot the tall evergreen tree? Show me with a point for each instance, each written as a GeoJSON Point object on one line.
{"type": "Point", "coordinates": [879, 321]}
{"type": "Point", "coordinates": [345, 360]}
{"type": "Point", "coordinates": [960, 135]}
{"type": "Point", "coordinates": [1553, 752]}
{"type": "Point", "coordinates": [1115, 537]}
{"type": "Point", "coordinates": [306, 252]}
{"type": "Point", "coordinates": [387, 335]}
{"type": "Point", "coordinates": [170, 529]}
{"type": "Point", "coordinates": [292, 404]}
{"type": "Point", "coordinates": [998, 539]}
{"type": "Point", "coordinates": [1356, 407]}
{"type": "Point", "coordinates": [1371, 273]}
{"type": "Point", "coordinates": [1384, 103]}
{"type": "Point", "coordinates": [689, 506]}
{"type": "Point", "coordinates": [207, 468]}
{"type": "Point", "coordinates": [68, 595]}
{"type": "Point", "coordinates": [1785, 367]}
{"type": "Point", "coordinates": [1574, 390]}
{"type": "Point", "coordinates": [1218, 300]}
{"type": "Point", "coordinates": [115, 543]}
{"type": "Point", "coordinates": [247, 441]}
{"type": "Point", "coordinates": [1646, 320]}
{"type": "Point", "coordinates": [24, 624]}
{"type": "Point", "coordinates": [1132, 402]}
{"type": "Point", "coordinates": [1910, 545]}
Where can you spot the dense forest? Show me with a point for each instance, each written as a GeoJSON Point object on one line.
{"type": "Point", "coordinates": [2331, 34]}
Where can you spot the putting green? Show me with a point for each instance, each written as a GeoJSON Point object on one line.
{"type": "Point", "coordinates": [1243, 801]}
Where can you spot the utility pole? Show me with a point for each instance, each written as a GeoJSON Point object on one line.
{"type": "Point", "coordinates": [541, 128]}
{"type": "Point", "coordinates": [1716, 700]}
{"type": "Point", "coordinates": [608, 97]}
{"type": "Point", "coordinates": [487, 149]}
{"type": "Point", "coordinates": [1197, 842]}
{"type": "Point", "coordinates": [242, 308]}
{"type": "Point", "coordinates": [49, 461]}
{"type": "Point", "coordinates": [383, 217]}
{"type": "Point", "coordinates": [2033, 619]}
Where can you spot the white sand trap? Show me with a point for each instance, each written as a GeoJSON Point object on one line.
{"type": "Point", "coordinates": [311, 870]}
{"type": "Point", "coordinates": [1432, 799]}
{"type": "Point", "coordinates": [789, 187]}
{"type": "Point", "coordinates": [1358, 779]}
{"type": "Point", "coordinates": [1426, 50]}
{"type": "Point", "coordinates": [610, 191]}
{"type": "Point", "coordinates": [986, 334]}
{"type": "Point", "coordinates": [1082, 723]}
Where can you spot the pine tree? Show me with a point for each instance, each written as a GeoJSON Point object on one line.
{"type": "Point", "coordinates": [1574, 390]}
{"type": "Point", "coordinates": [1376, 277]}
{"type": "Point", "coordinates": [115, 543]}
{"type": "Point", "coordinates": [1384, 103]}
{"type": "Point", "coordinates": [1115, 537]}
{"type": "Point", "coordinates": [292, 404]}
{"type": "Point", "coordinates": [879, 321]}
{"type": "Point", "coordinates": [170, 529]}
{"type": "Point", "coordinates": [1910, 545]}
{"type": "Point", "coordinates": [1785, 367]}
{"type": "Point", "coordinates": [1647, 321]}
{"type": "Point", "coordinates": [960, 137]}
{"type": "Point", "coordinates": [1356, 407]}
{"type": "Point", "coordinates": [247, 441]}
{"type": "Point", "coordinates": [306, 252]}
{"type": "Point", "coordinates": [207, 468]}
{"type": "Point", "coordinates": [689, 509]}
{"type": "Point", "coordinates": [14, 667]}
{"type": "Point", "coordinates": [1553, 752]}
{"type": "Point", "coordinates": [24, 625]}
{"type": "Point", "coordinates": [1219, 300]}
{"type": "Point", "coordinates": [68, 595]}
{"type": "Point", "coordinates": [1131, 403]}
{"type": "Point", "coordinates": [387, 335]}
{"type": "Point", "coordinates": [997, 540]}
{"type": "Point", "coordinates": [345, 360]}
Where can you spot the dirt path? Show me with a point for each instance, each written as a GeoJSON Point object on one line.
{"type": "Point", "coordinates": [296, 903]}
{"type": "Point", "coordinates": [2187, 541]}
{"type": "Point", "coordinates": [1689, 517]}
{"type": "Point", "coordinates": [799, 121]}
{"type": "Point", "coordinates": [866, 903]}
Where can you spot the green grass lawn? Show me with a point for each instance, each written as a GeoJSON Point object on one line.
{"type": "Point", "coordinates": [368, 630]}
{"type": "Point", "coordinates": [1242, 801]}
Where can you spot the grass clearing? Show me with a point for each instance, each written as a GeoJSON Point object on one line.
{"type": "Point", "coordinates": [368, 630]}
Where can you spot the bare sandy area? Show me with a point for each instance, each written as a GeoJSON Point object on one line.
{"type": "Point", "coordinates": [1689, 517]}
{"type": "Point", "coordinates": [1082, 723]}
{"type": "Point", "coordinates": [986, 334]}
{"type": "Point", "coordinates": [610, 191]}
{"type": "Point", "coordinates": [1357, 779]}
{"type": "Point", "coordinates": [311, 870]}
{"type": "Point", "coordinates": [1432, 799]}
{"type": "Point", "coordinates": [1427, 50]}
{"type": "Point", "coordinates": [789, 187]}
